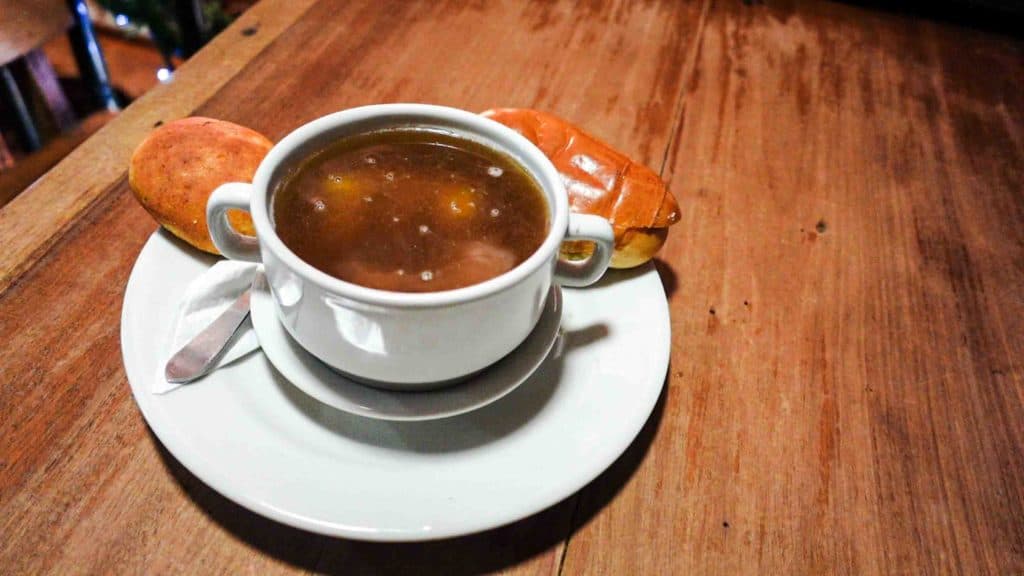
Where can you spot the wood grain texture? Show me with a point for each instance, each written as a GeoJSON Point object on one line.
{"type": "Point", "coordinates": [83, 487]}
{"type": "Point", "coordinates": [30, 168]}
{"type": "Point", "coordinates": [131, 63]}
{"type": "Point", "coordinates": [34, 221]}
{"type": "Point", "coordinates": [846, 394]}
{"type": "Point", "coordinates": [846, 389]}
{"type": "Point", "coordinates": [26, 24]}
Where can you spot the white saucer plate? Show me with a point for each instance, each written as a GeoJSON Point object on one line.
{"type": "Point", "coordinates": [316, 379]}
{"type": "Point", "coordinates": [251, 435]}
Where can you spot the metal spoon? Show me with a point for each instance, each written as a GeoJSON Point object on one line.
{"type": "Point", "coordinates": [198, 357]}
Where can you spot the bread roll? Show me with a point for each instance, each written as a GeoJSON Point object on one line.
{"type": "Point", "coordinates": [601, 181]}
{"type": "Point", "coordinates": [175, 169]}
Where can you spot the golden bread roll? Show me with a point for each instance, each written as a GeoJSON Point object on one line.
{"type": "Point", "coordinates": [601, 181]}
{"type": "Point", "coordinates": [175, 169]}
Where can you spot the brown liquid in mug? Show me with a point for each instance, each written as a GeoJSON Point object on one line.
{"type": "Point", "coordinates": [411, 210]}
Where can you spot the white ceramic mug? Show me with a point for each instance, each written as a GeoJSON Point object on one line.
{"type": "Point", "coordinates": [398, 340]}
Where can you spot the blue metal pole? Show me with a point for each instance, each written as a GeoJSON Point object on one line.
{"type": "Point", "coordinates": [89, 56]}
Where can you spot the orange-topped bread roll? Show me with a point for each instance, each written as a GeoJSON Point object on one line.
{"type": "Point", "coordinates": [602, 181]}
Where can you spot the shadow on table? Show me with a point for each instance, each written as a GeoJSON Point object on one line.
{"type": "Point", "coordinates": [488, 551]}
{"type": "Point", "coordinates": [668, 277]}
{"type": "Point", "coordinates": [665, 273]}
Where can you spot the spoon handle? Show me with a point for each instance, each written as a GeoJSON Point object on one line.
{"type": "Point", "coordinates": [200, 355]}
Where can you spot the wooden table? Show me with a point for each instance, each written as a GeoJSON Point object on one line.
{"type": "Point", "coordinates": [846, 392]}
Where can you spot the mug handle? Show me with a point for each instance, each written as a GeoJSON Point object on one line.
{"type": "Point", "coordinates": [231, 196]}
{"type": "Point", "coordinates": [585, 272]}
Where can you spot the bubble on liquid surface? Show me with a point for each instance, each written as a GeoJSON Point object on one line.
{"type": "Point", "coordinates": [424, 228]}
{"type": "Point", "coordinates": [335, 178]}
{"type": "Point", "coordinates": [367, 198]}
{"type": "Point", "coordinates": [319, 205]}
{"type": "Point", "coordinates": [395, 219]}
{"type": "Point", "coordinates": [390, 176]}
{"type": "Point", "coordinates": [370, 159]}
{"type": "Point", "coordinates": [495, 171]}
{"type": "Point", "coordinates": [426, 275]}
{"type": "Point", "coordinates": [400, 272]}
{"type": "Point", "coordinates": [495, 212]}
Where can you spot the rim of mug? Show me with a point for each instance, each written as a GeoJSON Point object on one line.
{"type": "Point", "coordinates": [522, 151]}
